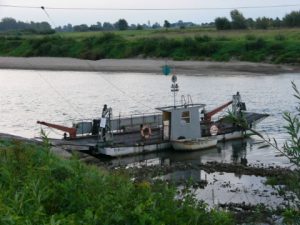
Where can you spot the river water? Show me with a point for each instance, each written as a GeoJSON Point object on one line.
{"type": "Point", "coordinates": [64, 96]}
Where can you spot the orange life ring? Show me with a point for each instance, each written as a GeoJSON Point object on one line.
{"type": "Point", "coordinates": [146, 132]}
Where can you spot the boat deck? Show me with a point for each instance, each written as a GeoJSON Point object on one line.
{"type": "Point", "coordinates": [119, 139]}
{"type": "Point", "coordinates": [252, 117]}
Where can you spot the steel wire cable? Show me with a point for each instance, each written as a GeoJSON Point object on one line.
{"type": "Point", "coordinates": [120, 90]}
{"type": "Point", "coordinates": [62, 98]}
{"type": "Point", "coordinates": [93, 69]}
{"type": "Point", "coordinates": [150, 9]}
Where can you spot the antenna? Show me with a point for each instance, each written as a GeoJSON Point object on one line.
{"type": "Point", "coordinates": [174, 88]}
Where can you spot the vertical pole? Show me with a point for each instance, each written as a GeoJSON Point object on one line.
{"type": "Point", "coordinates": [174, 99]}
{"type": "Point", "coordinates": [213, 196]}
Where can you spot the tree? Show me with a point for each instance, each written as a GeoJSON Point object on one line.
{"type": "Point", "coordinates": [262, 23]}
{"type": "Point", "coordinates": [180, 24]}
{"type": "Point", "coordinates": [107, 26]}
{"type": "Point", "coordinates": [96, 27]}
{"type": "Point", "coordinates": [121, 24]}
{"type": "Point", "coordinates": [8, 24]}
{"type": "Point", "coordinates": [156, 26]}
{"type": "Point", "coordinates": [139, 27]}
{"type": "Point", "coordinates": [68, 28]}
{"type": "Point", "coordinates": [222, 23]}
{"type": "Point", "coordinates": [238, 20]}
{"type": "Point", "coordinates": [276, 23]}
{"type": "Point", "coordinates": [250, 23]}
{"type": "Point", "coordinates": [132, 27]}
{"type": "Point", "coordinates": [43, 26]}
{"type": "Point", "coordinates": [292, 19]}
{"type": "Point", "coordinates": [167, 24]}
{"type": "Point", "coordinates": [81, 28]}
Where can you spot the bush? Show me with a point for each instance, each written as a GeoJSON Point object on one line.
{"type": "Point", "coordinates": [198, 47]}
{"type": "Point", "coordinates": [258, 44]}
{"type": "Point", "coordinates": [38, 188]}
{"type": "Point", "coordinates": [203, 38]}
{"type": "Point", "coordinates": [279, 37]}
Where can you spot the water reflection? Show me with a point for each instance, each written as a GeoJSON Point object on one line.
{"type": "Point", "coordinates": [239, 152]}
{"type": "Point", "coordinates": [222, 188]}
{"type": "Point", "coordinates": [245, 151]}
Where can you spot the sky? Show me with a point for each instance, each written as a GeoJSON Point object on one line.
{"type": "Point", "coordinates": [75, 17]}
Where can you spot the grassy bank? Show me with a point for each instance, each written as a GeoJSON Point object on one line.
{"type": "Point", "coordinates": [273, 46]}
{"type": "Point", "coordinates": [38, 188]}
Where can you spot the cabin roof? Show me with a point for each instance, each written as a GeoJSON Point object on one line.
{"type": "Point", "coordinates": [173, 108]}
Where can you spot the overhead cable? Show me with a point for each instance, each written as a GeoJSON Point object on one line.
{"type": "Point", "coordinates": [150, 9]}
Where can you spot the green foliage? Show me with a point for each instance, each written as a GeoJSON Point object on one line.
{"type": "Point", "coordinates": [81, 28]}
{"type": "Point", "coordinates": [292, 146]}
{"type": "Point", "coordinates": [204, 38]}
{"type": "Point", "coordinates": [238, 20]}
{"type": "Point", "coordinates": [250, 37]}
{"type": "Point", "coordinates": [176, 44]}
{"type": "Point", "coordinates": [222, 23]}
{"type": "Point", "coordinates": [122, 24]}
{"type": "Point", "coordinates": [291, 217]}
{"type": "Point", "coordinates": [292, 19]}
{"type": "Point", "coordinates": [262, 23]}
{"type": "Point", "coordinates": [10, 24]}
{"type": "Point", "coordinates": [257, 44]}
{"type": "Point", "coordinates": [38, 188]}
{"type": "Point", "coordinates": [167, 24]}
{"type": "Point", "coordinates": [279, 37]}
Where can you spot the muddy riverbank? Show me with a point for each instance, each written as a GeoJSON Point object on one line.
{"type": "Point", "coordinates": [145, 66]}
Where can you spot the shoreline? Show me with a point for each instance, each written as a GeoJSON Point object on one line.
{"type": "Point", "coordinates": [145, 66]}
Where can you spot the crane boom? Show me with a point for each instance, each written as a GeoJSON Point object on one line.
{"type": "Point", "coordinates": [208, 115]}
{"type": "Point", "coordinates": [70, 130]}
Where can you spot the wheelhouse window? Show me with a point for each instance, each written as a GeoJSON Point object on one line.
{"type": "Point", "coordinates": [185, 117]}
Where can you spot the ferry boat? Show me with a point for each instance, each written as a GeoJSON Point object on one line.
{"type": "Point", "coordinates": [185, 127]}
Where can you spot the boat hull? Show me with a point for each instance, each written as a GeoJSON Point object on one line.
{"type": "Point", "coordinates": [192, 145]}
{"type": "Point", "coordinates": [231, 136]}
{"type": "Point", "coordinates": [132, 150]}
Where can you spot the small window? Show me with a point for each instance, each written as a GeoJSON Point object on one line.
{"type": "Point", "coordinates": [185, 117]}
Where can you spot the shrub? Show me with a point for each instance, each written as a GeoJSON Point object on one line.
{"type": "Point", "coordinates": [38, 188]}
{"type": "Point", "coordinates": [203, 38]}
{"type": "Point", "coordinates": [279, 37]}
{"type": "Point", "coordinates": [259, 43]}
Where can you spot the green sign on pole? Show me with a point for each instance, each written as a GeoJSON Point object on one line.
{"type": "Point", "coordinates": [166, 70]}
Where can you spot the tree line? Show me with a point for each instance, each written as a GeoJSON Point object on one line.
{"type": "Point", "coordinates": [8, 24]}
{"type": "Point", "coordinates": [239, 22]}
{"type": "Point", "coordinates": [122, 24]}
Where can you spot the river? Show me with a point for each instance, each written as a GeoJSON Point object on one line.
{"type": "Point", "coordinates": [65, 96]}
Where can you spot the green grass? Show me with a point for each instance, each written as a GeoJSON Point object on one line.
{"type": "Point", "coordinates": [272, 46]}
{"type": "Point", "coordinates": [190, 32]}
{"type": "Point", "coordinates": [38, 188]}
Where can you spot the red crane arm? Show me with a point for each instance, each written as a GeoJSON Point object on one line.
{"type": "Point", "coordinates": [208, 115]}
{"type": "Point", "coordinates": [70, 130]}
